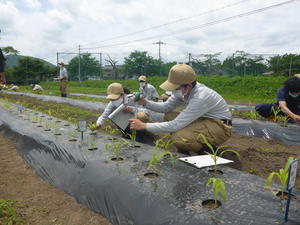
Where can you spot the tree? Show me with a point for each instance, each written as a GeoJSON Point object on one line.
{"type": "Point", "coordinates": [10, 50]}
{"type": "Point", "coordinates": [30, 70]}
{"type": "Point", "coordinates": [210, 65]}
{"type": "Point", "coordinates": [89, 67]}
{"type": "Point", "coordinates": [138, 63]}
{"type": "Point", "coordinates": [113, 63]}
{"type": "Point", "coordinates": [287, 64]}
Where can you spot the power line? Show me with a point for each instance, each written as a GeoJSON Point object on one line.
{"type": "Point", "coordinates": [169, 23]}
{"type": "Point", "coordinates": [202, 25]}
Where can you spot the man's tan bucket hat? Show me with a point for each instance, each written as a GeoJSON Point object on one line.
{"type": "Point", "coordinates": [114, 91]}
{"type": "Point", "coordinates": [143, 78]}
{"type": "Point", "coordinates": [178, 75]}
{"type": "Point", "coordinates": [297, 75]}
{"type": "Point", "coordinates": [61, 63]}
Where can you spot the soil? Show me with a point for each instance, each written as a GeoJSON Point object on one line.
{"type": "Point", "coordinates": [210, 204]}
{"type": "Point", "coordinates": [37, 202]}
{"type": "Point", "coordinates": [261, 156]}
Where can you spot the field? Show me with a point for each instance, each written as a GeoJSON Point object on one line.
{"type": "Point", "coordinates": [246, 89]}
{"type": "Point", "coordinates": [258, 156]}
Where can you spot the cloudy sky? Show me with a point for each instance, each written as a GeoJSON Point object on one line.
{"type": "Point", "coordinates": [41, 28]}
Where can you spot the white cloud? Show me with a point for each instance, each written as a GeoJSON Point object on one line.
{"type": "Point", "coordinates": [61, 25]}
{"type": "Point", "coordinates": [33, 4]}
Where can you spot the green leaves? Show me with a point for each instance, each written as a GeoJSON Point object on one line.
{"type": "Point", "coordinates": [218, 186]}
{"type": "Point", "coordinates": [282, 175]}
{"type": "Point", "coordinates": [214, 155]}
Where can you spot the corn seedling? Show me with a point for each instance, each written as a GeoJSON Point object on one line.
{"type": "Point", "coordinates": [115, 146]}
{"type": "Point", "coordinates": [283, 119]}
{"type": "Point", "coordinates": [111, 131]}
{"type": "Point", "coordinates": [276, 113]}
{"type": "Point", "coordinates": [156, 158]}
{"type": "Point", "coordinates": [252, 115]}
{"type": "Point", "coordinates": [218, 152]}
{"type": "Point", "coordinates": [6, 106]}
{"type": "Point", "coordinates": [282, 176]}
{"type": "Point", "coordinates": [35, 118]}
{"type": "Point", "coordinates": [49, 112]}
{"type": "Point", "coordinates": [219, 187]}
{"type": "Point", "coordinates": [92, 126]}
{"type": "Point", "coordinates": [165, 142]}
{"type": "Point", "coordinates": [73, 134]}
{"type": "Point", "coordinates": [47, 125]}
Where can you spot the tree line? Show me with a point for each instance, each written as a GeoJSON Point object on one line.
{"type": "Point", "coordinates": [140, 62]}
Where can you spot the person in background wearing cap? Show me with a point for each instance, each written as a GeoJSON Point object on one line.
{"type": "Point", "coordinates": [147, 90]}
{"type": "Point", "coordinates": [63, 78]}
{"type": "Point", "coordinates": [206, 112]}
{"type": "Point", "coordinates": [14, 87]}
{"type": "Point", "coordinates": [117, 96]}
{"type": "Point", "coordinates": [288, 101]}
{"type": "Point", "coordinates": [36, 87]}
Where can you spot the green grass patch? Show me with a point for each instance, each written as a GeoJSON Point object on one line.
{"type": "Point", "coordinates": [8, 215]}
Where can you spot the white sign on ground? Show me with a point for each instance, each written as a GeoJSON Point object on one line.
{"type": "Point", "coordinates": [82, 125]}
{"type": "Point", "coordinates": [203, 161]}
{"type": "Point", "coordinates": [293, 173]}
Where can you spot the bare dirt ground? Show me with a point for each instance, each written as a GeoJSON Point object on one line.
{"type": "Point", "coordinates": [38, 202]}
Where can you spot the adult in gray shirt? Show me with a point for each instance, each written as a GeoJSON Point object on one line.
{"type": "Point", "coordinates": [205, 112]}
{"type": "Point", "coordinates": [147, 90]}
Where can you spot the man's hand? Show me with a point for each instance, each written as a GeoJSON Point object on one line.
{"type": "Point", "coordinates": [296, 118]}
{"type": "Point", "coordinates": [128, 109]}
{"type": "Point", "coordinates": [136, 124]}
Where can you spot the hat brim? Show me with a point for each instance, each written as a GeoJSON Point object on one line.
{"type": "Point", "coordinates": [112, 97]}
{"type": "Point", "coordinates": [142, 79]}
{"type": "Point", "coordinates": [168, 86]}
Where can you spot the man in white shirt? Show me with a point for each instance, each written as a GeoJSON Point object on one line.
{"type": "Point", "coordinates": [63, 78]}
{"type": "Point", "coordinates": [14, 88]}
{"type": "Point", "coordinates": [205, 112]}
{"type": "Point", "coordinates": [147, 90]}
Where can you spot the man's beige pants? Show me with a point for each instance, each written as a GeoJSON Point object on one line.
{"type": "Point", "coordinates": [63, 86]}
{"type": "Point", "coordinates": [188, 138]}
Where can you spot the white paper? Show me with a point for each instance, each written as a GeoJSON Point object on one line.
{"type": "Point", "coordinates": [120, 118]}
{"type": "Point", "coordinates": [293, 174]}
{"type": "Point", "coordinates": [204, 161]}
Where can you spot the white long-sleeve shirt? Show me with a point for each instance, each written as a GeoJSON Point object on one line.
{"type": "Point", "coordinates": [63, 73]}
{"type": "Point", "coordinates": [201, 102]}
{"type": "Point", "coordinates": [37, 88]}
{"type": "Point", "coordinates": [149, 92]}
{"type": "Point", "coordinates": [111, 107]}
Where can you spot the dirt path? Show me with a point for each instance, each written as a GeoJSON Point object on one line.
{"type": "Point", "coordinates": [38, 202]}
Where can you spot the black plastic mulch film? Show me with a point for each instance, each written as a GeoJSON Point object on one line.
{"type": "Point", "coordinates": [289, 135]}
{"type": "Point", "coordinates": [120, 192]}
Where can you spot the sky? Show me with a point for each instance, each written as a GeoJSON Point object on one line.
{"type": "Point", "coordinates": [41, 28]}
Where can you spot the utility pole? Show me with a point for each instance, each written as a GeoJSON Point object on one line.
{"type": "Point", "coordinates": [79, 81]}
{"type": "Point", "coordinates": [190, 56]}
{"type": "Point", "coordinates": [159, 43]}
{"type": "Point", "coordinates": [57, 61]}
{"type": "Point", "coordinates": [100, 65]}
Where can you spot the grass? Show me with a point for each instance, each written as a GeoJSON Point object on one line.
{"type": "Point", "coordinates": [239, 88]}
{"type": "Point", "coordinates": [8, 215]}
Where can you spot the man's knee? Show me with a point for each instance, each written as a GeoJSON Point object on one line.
{"type": "Point", "coordinates": [142, 116]}
{"type": "Point", "coordinates": [183, 141]}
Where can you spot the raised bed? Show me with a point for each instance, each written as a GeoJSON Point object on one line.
{"type": "Point", "coordinates": [120, 191]}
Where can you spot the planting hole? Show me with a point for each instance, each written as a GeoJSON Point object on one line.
{"type": "Point", "coordinates": [57, 134]}
{"type": "Point", "coordinates": [284, 196]}
{"type": "Point", "coordinates": [42, 116]}
{"type": "Point", "coordinates": [211, 204]}
{"type": "Point", "coordinates": [73, 140]}
{"type": "Point", "coordinates": [216, 172]}
{"type": "Point", "coordinates": [92, 149]}
{"type": "Point", "coordinates": [151, 175]}
{"type": "Point", "coordinates": [66, 125]}
{"type": "Point", "coordinates": [39, 126]}
{"type": "Point", "coordinates": [94, 133]}
{"type": "Point", "coordinates": [36, 113]}
{"type": "Point", "coordinates": [33, 122]}
{"type": "Point", "coordinates": [47, 129]}
{"type": "Point", "coordinates": [49, 118]}
{"type": "Point", "coordinates": [57, 121]}
{"type": "Point", "coordinates": [117, 159]}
